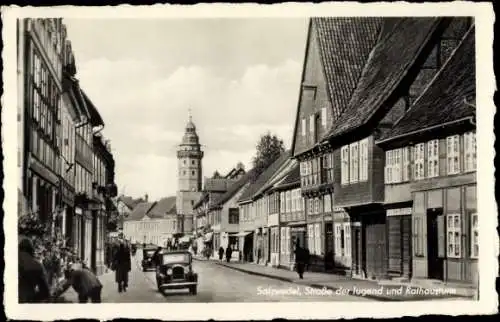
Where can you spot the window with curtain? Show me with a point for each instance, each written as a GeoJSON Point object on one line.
{"type": "Point", "coordinates": [347, 239]}
{"type": "Point", "coordinates": [433, 158]}
{"type": "Point", "coordinates": [453, 154]}
{"type": "Point", "coordinates": [419, 161]}
{"type": "Point", "coordinates": [363, 160]}
{"type": "Point", "coordinates": [354, 162]}
{"type": "Point", "coordinates": [344, 156]}
{"type": "Point", "coordinates": [474, 235]}
{"type": "Point", "coordinates": [453, 233]}
{"type": "Point", "coordinates": [470, 151]}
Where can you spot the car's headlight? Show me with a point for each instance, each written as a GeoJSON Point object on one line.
{"type": "Point", "coordinates": [169, 271]}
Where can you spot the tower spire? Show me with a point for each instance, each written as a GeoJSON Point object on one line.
{"type": "Point", "coordinates": [189, 115]}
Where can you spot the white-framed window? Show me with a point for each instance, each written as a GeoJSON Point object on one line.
{"type": "Point", "coordinates": [470, 151]}
{"type": "Point", "coordinates": [433, 158]}
{"type": "Point", "coordinates": [283, 240]}
{"type": "Point", "coordinates": [288, 241]}
{"type": "Point", "coordinates": [311, 125]}
{"type": "Point", "coordinates": [347, 239]}
{"type": "Point", "coordinates": [388, 166]}
{"type": "Point", "coordinates": [282, 202]}
{"type": "Point", "coordinates": [303, 127]}
{"type": "Point", "coordinates": [317, 239]}
{"type": "Point", "coordinates": [419, 161]}
{"type": "Point", "coordinates": [327, 203]}
{"type": "Point", "coordinates": [344, 171]}
{"type": "Point", "coordinates": [474, 235]}
{"type": "Point", "coordinates": [397, 165]}
{"type": "Point", "coordinates": [323, 116]}
{"type": "Point", "coordinates": [363, 160]}
{"type": "Point", "coordinates": [339, 239]}
{"type": "Point", "coordinates": [288, 197]}
{"type": "Point", "coordinates": [453, 233]}
{"type": "Point", "coordinates": [405, 175]}
{"type": "Point", "coordinates": [453, 154]}
{"type": "Point", "coordinates": [354, 162]}
{"type": "Point", "coordinates": [310, 238]}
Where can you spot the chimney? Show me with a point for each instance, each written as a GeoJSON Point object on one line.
{"type": "Point", "coordinates": [146, 197]}
{"type": "Point", "coordinates": [240, 166]}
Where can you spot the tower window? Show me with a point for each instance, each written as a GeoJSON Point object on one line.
{"type": "Point", "coordinates": [192, 162]}
{"type": "Point", "coordinates": [183, 173]}
{"type": "Point", "coordinates": [192, 173]}
{"type": "Point", "coordinates": [184, 162]}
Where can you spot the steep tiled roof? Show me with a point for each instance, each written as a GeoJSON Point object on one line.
{"type": "Point", "coordinates": [344, 45]}
{"type": "Point", "coordinates": [293, 177]}
{"type": "Point", "coordinates": [280, 175]}
{"type": "Point", "coordinates": [234, 188]}
{"type": "Point", "coordinates": [139, 211]}
{"type": "Point", "coordinates": [95, 117]}
{"type": "Point", "coordinates": [161, 208]}
{"type": "Point", "coordinates": [198, 203]}
{"type": "Point", "coordinates": [400, 42]}
{"type": "Point", "coordinates": [264, 177]}
{"type": "Point", "coordinates": [129, 201]}
{"type": "Point", "coordinates": [443, 100]}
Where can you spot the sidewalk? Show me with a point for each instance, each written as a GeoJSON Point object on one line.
{"type": "Point", "coordinates": [376, 290]}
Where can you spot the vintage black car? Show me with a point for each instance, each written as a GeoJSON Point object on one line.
{"type": "Point", "coordinates": [148, 262]}
{"type": "Point", "coordinates": [175, 271]}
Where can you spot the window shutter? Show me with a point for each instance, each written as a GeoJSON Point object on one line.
{"type": "Point", "coordinates": [441, 237]}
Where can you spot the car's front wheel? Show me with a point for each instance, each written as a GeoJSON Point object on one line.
{"type": "Point", "coordinates": [193, 290]}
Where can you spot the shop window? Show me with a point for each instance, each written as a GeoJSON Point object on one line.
{"type": "Point", "coordinates": [453, 233]}
{"type": "Point", "coordinates": [317, 239]}
{"type": "Point", "coordinates": [310, 238]}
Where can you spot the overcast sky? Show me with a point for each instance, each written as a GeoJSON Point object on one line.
{"type": "Point", "coordinates": [240, 77]}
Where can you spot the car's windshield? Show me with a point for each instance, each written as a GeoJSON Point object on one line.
{"type": "Point", "coordinates": [175, 258]}
{"type": "Point", "coordinates": [150, 252]}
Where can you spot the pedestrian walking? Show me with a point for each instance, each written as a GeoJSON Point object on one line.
{"type": "Point", "coordinates": [156, 256]}
{"type": "Point", "coordinates": [33, 284]}
{"type": "Point", "coordinates": [122, 266]}
{"type": "Point", "coordinates": [229, 252]}
{"type": "Point", "coordinates": [221, 253]}
{"type": "Point", "coordinates": [300, 260]}
{"type": "Point", "coordinates": [84, 282]}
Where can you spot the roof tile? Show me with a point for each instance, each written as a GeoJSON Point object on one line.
{"type": "Point", "coordinates": [344, 45]}
{"type": "Point", "coordinates": [388, 63]}
{"type": "Point", "coordinates": [264, 177]}
{"type": "Point", "coordinates": [443, 101]}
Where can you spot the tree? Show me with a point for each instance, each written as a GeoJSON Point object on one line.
{"type": "Point", "coordinates": [269, 148]}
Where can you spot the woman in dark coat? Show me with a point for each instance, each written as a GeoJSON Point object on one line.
{"type": "Point", "coordinates": [122, 265]}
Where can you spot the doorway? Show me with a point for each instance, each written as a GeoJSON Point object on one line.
{"type": "Point", "coordinates": [434, 263]}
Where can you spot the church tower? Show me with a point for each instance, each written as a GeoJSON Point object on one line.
{"type": "Point", "coordinates": [189, 160]}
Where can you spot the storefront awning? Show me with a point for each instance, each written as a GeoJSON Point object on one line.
{"type": "Point", "coordinates": [244, 233]}
{"type": "Point", "coordinates": [185, 239]}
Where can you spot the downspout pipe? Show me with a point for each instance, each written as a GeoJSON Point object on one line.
{"type": "Point", "coordinates": [473, 119]}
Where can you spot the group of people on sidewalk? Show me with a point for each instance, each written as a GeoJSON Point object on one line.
{"type": "Point", "coordinates": [34, 286]}
{"type": "Point", "coordinates": [229, 253]}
